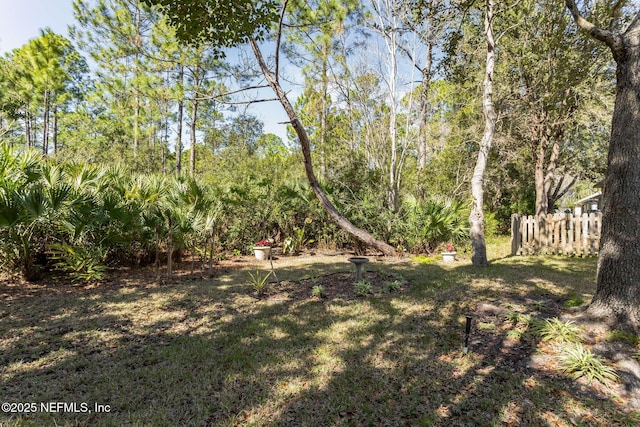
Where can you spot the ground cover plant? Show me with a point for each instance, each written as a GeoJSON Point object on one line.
{"type": "Point", "coordinates": [211, 351]}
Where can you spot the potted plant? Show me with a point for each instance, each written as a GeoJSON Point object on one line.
{"type": "Point", "coordinates": [450, 254]}
{"type": "Point", "coordinates": [262, 249]}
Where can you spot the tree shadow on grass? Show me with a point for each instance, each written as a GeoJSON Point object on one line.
{"type": "Point", "coordinates": [209, 353]}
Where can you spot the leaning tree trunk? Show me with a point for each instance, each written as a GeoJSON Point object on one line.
{"type": "Point", "coordinates": [305, 145]}
{"type": "Point", "coordinates": [476, 218]}
{"type": "Point", "coordinates": [617, 296]}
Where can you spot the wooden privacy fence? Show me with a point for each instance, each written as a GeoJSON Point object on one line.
{"type": "Point", "coordinates": [565, 234]}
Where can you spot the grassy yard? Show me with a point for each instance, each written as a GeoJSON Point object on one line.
{"type": "Point", "coordinates": [210, 352]}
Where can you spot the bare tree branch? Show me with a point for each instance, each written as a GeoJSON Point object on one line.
{"type": "Point", "coordinates": [279, 39]}
{"type": "Point", "coordinates": [232, 92]}
{"type": "Point", "coordinates": [252, 101]}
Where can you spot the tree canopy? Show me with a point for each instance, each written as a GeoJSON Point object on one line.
{"type": "Point", "coordinates": [225, 23]}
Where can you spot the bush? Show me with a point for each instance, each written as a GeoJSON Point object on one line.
{"type": "Point", "coordinates": [318, 292]}
{"type": "Point", "coordinates": [433, 222]}
{"type": "Point", "coordinates": [363, 288]}
{"type": "Point", "coordinates": [81, 263]}
{"type": "Point", "coordinates": [557, 330]}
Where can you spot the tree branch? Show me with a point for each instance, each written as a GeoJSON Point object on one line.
{"type": "Point", "coordinates": [232, 92]}
{"type": "Point", "coordinates": [279, 39]}
{"type": "Point", "coordinates": [253, 101]}
{"type": "Point", "coordinates": [612, 40]}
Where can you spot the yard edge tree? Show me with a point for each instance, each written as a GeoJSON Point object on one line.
{"type": "Point", "coordinates": [617, 296]}
{"type": "Point", "coordinates": [198, 27]}
{"type": "Point", "coordinates": [476, 218]}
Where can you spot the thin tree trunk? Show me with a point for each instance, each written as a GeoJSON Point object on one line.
{"type": "Point", "coordinates": [152, 143]}
{"type": "Point", "coordinates": [340, 220]}
{"type": "Point", "coordinates": [424, 108]}
{"type": "Point", "coordinates": [136, 72]}
{"type": "Point", "coordinates": [193, 258]}
{"type": "Point", "coordinates": [55, 131]}
{"type": "Point", "coordinates": [136, 126]}
{"type": "Point", "coordinates": [165, 142]}
{"type": "Point", "coordinates": [179, 120]}
{"type": "Point", "coordinates": [393, 133]}
{"type": "Point", "coordinates": [560, 190]}
{"type": "Point", "coordinates": [212, 248]}
{"type": "Point", "coordinates": [45, 125]}
{"type": "Point", "coordinates": [323, 116]}
{"type": "Point", "coordinates": [33, 129]}
{"type": "Point", "coordinates": [157, 263]}
{"type": "Point", "coordinates": [169, 250]}
{"type": "Point", "coordinates": [193, 124]}
{"type": "Point", "coordinates": [550, 173]}
{"type": "Point", "coordinates": [539, 177]}
{"type": "Point", "coordinates": [27, 129]}
{"type": "Point", "coordinates": [476, 219]}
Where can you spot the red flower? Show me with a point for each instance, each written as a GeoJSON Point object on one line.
{"type": "Point", "coordinates": [263, 243]}
{"type": "Point", "coordinates": [450, 248]}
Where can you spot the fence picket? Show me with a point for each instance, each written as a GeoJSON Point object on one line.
{"type": "Point", "coordinates": [556, 234]}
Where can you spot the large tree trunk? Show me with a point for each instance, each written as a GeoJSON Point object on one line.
{"type": "Point", "coordinates": [476, 218]}
{"type": "Point", "coordinates": [617, 296]}
{"type": "Point", "coordinates": [305, 145]}
{"type": "Point", "coordinates": [618, 279]}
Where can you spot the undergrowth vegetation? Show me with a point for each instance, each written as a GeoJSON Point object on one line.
{"type": "Point", "coordinates": [80, 218]}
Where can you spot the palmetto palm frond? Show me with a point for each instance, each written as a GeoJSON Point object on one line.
{"type": "Point", "coordinates": [10, 208]}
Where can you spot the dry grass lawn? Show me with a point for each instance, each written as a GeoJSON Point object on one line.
{"type": "Point", "coordinates": [209, 351]}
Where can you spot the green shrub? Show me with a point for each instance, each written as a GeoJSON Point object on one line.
{"type": "Point", "coordinates": [79, 262]}
{"type": "Point", "coordinates": [557, 330]}
{"type": "Point", "coordinates": [432, 222]}
{"type": "Point", "coordinates": [623, 336]}
{"type": "Point", "coordinates": [259, 282]}
{"type": "Point", "coordinates": [318, 292]}
{"type": "Point", "coordinates": [363, 288]}
{"type": "Point", "coordinates": [578, 361]}
{"type": "Point", "coordinates": [392, 286]}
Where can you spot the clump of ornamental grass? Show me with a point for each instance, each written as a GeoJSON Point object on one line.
{"type": "Point", "coordinates": [578, 361]}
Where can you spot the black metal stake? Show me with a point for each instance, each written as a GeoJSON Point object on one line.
{"type": "Point", "coordinates": [467, 332]}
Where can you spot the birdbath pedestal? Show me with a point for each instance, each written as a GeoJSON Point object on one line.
{"type": "Point", "coordinates": [358, 261]}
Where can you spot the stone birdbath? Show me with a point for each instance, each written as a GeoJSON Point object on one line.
{"type": "Point", "coordinates": [358, 261]}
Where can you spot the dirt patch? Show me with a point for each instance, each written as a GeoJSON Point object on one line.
{"type": "Point", "coordinates": [335, 286]}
